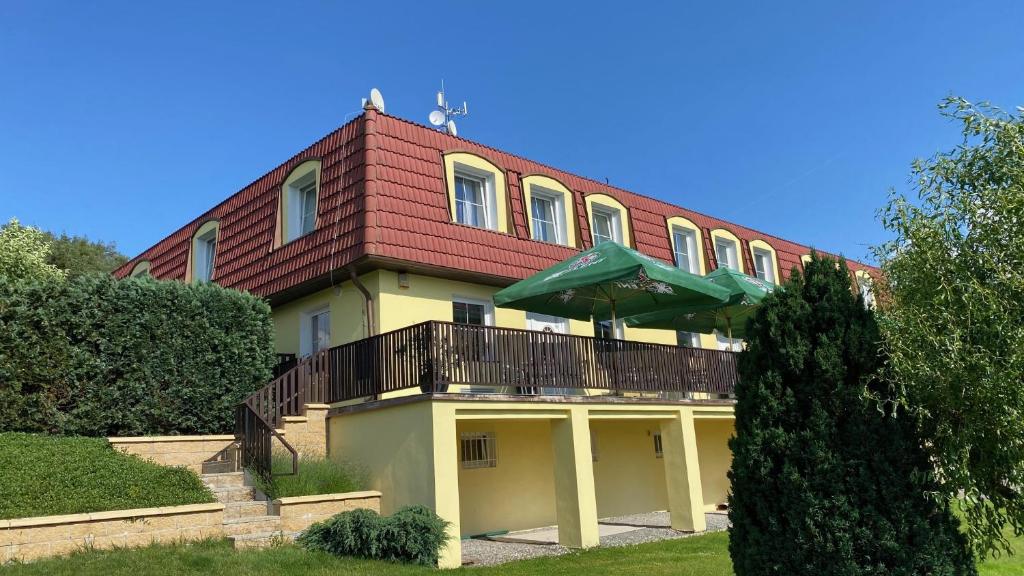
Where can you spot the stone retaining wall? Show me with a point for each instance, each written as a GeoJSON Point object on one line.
{"type": "Point", "coordinates": [308, 434]}
{"type": "Point", "coordinates": [190, 451]}
{"type": "Point", "coordinates": [299, 512]}
{"type": "Point", "coordinates": [25, 539]}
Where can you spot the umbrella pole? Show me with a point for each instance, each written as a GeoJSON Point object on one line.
{"type": "Point", "coordinates": [728, 329]}
{"type": "Point", "coordinates": [613, 320]}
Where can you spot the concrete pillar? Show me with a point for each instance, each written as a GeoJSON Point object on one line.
{"type": "Point", "coordinates": [682, 473]}
{"type": "Point", "coordinates": [446, 481]}
{"type": "Point", "coordinates": [575, 499]}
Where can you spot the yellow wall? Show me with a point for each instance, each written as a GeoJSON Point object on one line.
{"type": "Point", "coordinates": [553, 186]}
{"type": "Point", "coordinates": [519, 492]}
{"type": "Point", "coordinates": [608, 201]}
{"type": "Point", "coordinates": [715, 458]}
{"type": "Point", "coordinates": [348, 317]}
{"type": "Point", "coordinates": [478, 163]}
{"type": "Point", "coordinates": [628, 477]}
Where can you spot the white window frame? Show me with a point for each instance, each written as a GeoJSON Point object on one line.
{"type": "Point", "coordinates": [768, 274]}
{"type": "Point", "coordinates": [296, 214]}
{"type": "Point", "coordinates": [488, 307]}
{"type": "Point", "coordinates": [614, 216]}
{"type": "Point", "coordinates": [689, 237]}
{"type": "Point", "coordinates": [490, 202]}
{"type": "Point", "coordinates": [557, 201]}
{"type": "Point", "coordinates": [306, 329]}
{"type": "Point", "coordinates": [534, 320]}
{"type": "Point", "coordinates": [731, 252]}
{"type": "Point", "coordinates": [205, 256]}
{"type": "Point", "coordinates": [478, 450]}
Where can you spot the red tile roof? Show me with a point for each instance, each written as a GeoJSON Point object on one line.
{"type": "Point", "coordinates": [383, 195]}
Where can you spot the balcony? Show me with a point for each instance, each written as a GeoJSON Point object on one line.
{"type": "Point", "coordinates": [439, 357]}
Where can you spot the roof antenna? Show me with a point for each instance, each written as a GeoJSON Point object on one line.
{"type": "Point", "coordinates": [445, 115]}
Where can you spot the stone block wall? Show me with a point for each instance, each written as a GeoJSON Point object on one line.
{"type": "Point", "coordinates": [299, 512]}
{"type": "Point", "coordinates": [308, 434]}
{"type": "Point", "coordinates": [198, 453]}
{"type": "Point", "coordinates": [26, 539]}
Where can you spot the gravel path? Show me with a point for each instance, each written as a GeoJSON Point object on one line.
{"type": "Point", "coordinates": [651, 527]}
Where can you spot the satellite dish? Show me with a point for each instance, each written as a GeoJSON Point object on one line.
{"type": "Point", "coordinates": [437, 118]}
{"type": "Point", "coordinates": [377, 99]}
{"type": "Point", "coordinates": [451, 128]}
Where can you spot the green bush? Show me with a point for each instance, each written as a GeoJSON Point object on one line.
{"type": "Point", "coordinates": [414, 534]}
{"type": "Point", "coordinates": [316, 476]}
{"type": "Point", "coordinates": [98, 356]}
{"type": "Point", "coordinates": [49, 475]}
{"type": "Point", "coordinates": [826, 481]}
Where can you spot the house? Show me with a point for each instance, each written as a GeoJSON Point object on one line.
{"type": "Point", "coordinates": [379, 248]}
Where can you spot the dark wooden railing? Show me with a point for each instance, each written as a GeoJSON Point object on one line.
{"type": "Point", "coordinates": [435, 355]}
{"type": "Point", "coordinates": [256, 442]}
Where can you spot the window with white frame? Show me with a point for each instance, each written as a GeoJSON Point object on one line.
{"type": "Point", "coordinates": [687, 339]}
{"type": "Point", "coordinates": [658, 450]}
{"type": "Point", "coordinates": [315, 331]}
{"type": "Point", "coordinates": [606, 224]}
{"type": "Point", "coordinates": [473, 312]}
{"type": "Point", "coordinates": [725, 253]}
{"type": "Point", "coordinates": [475, 203]}
{"type": "Point", "coordinates": [864, 285]}
{"type": "Point", "coordinates": [302, 206]}
{"type": "Point", "coordinates": [205, 248]}
{"type": "Point", "coordinates": [547, 213]}
{"type": "Point", "coordinates": [764, 268]}
{"type": "Point", "coordinates": [478, 450]}
{"type": "Point", "coordinates": [684, 244]}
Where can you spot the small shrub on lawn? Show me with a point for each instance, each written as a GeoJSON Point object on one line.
{"type": "Point", "coordinates": [49, 475]}
{"type": "Point", "coordinates": [316, 476]}
{"type": "Point", "coordinates": [414, 534]}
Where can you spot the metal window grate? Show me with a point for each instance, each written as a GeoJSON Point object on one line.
{"type": "Point", "coordinates": [478, 450]}
{"type": "Point", "coordinates": [657, 445]}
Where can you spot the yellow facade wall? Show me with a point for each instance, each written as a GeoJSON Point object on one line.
{"type": "Point", "coordinates": [519, 492]}
{"type": "Point", "coordinates": [348, 316]}
{"type": "Point", "coordinates": [715, 458]}
{"type": "Point", "coordinates": [628, 477]}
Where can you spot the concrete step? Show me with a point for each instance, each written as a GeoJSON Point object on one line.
{"type": "Point", "coordinates": [248, 509]}
{"type": "Point", "coordinates": [233, 494]}
{"type": "Point", "coordinates": [224, 480]}
{"type": "Point", "coordinates": [262, 539]}
{"type": "Point", "coordinates": [252, 525]}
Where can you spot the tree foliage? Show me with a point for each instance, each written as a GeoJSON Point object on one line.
{"type": "Point", "coordinates": [25, 253]}
{"type": "Point", "coordinates": [77, 255]}
{"type": "Point", "coordinates": [953, 317]}
{"type": "Point", "coordinates": [825, 480]}
{"type": "Point", "coordinates": [97, 356]}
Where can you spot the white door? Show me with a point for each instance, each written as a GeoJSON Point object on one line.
{"type": "Point", "coordinates": [557, 325]}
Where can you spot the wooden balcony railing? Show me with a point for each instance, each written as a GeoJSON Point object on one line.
{"type": "Point", "coordinates": [433, 356]}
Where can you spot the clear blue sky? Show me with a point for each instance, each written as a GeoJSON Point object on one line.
{"type": "Point", "coordinates": [124, 120]}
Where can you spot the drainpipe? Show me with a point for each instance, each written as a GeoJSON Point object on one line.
{"type": "Point", "coordinates": [367, 297]}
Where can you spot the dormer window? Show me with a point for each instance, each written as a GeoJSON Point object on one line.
{"type": "Point", "coordinates": [204, 252]}
{"type": "Point", "coordinates": [763, 266]}
{"type": "Point", "coordinates": [549, 205]}
{"type": "Point", "coordinates": [140, 269]}
{"type": "Point", "coordinates": [545, 219]}
{"type": "Point", "coordinates": [684, 245]}
{"type": "Point", "coordinates": [300, 197]}
{"type": "Point", "coordinates": [476, 191]}
{"type": "Point", "coordinates": [607, 224]}
{"type": "Point", "coordinates": [725, 253]}
{"type": "Point", "coordinates": [472, 201]}
{"type": "Point", "coordinates": [865, 289]}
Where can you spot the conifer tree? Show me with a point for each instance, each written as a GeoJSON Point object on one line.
{"type": "Point", "coordinates": [826, 478]}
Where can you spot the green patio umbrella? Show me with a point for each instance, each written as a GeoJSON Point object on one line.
{"type": "Point", "coordinates": [745, 296]}
{"type": "Point", "coordinates": [609, 281]}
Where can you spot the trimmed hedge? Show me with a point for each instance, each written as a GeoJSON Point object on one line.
{"type": "Point", "coordinates": [97, 356]}
{"type": "Point", "coordinates": [413, 534]}
{"type": "Point", "coordinates": [50, 475]}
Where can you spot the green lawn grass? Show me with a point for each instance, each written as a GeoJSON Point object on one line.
{"type": "Point", "coordinates": [46, 475]}
{"type": "Point", "coordinates": [706, 555]}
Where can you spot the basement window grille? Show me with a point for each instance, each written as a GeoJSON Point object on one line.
{"type": "Point", "coordinates": [478, 450]}
{"type": "Point", "coordinates": [658, 453]}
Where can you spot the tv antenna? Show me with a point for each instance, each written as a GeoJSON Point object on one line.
{"type": "Point", "coordinates": [444, 116]}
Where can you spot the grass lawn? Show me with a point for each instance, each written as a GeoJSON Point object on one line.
{"type": "Point", "coordinates": [698, 556]}
{"type": "Point", "coordinates": [47, 475]}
